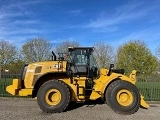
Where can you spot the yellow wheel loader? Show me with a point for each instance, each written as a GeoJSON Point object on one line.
{"type": "Point", "coordinates": [75, 77]}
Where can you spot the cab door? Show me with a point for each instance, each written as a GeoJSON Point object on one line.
{"type": "Point", "coordinates": [78, 62]}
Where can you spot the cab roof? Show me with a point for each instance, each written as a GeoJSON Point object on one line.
{"type": "Point", "coordinates": [74, 48]}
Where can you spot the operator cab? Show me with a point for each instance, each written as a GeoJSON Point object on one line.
{"type": "Point", "coordinates": [82, 62]}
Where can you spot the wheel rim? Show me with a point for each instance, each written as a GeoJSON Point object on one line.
{"type": "Point", "coordinates": [124, 97]}
{"type": "Point", "coordinates": [53, 97]}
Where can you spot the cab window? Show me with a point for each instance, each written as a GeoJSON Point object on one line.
{"type": "Point", "coordinates": [80, 57]}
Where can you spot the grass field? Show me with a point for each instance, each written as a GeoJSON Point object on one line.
{"type": "Point", "coordinates": [3, 84]}
{"type": "Point", "coordinates": [150, 90]}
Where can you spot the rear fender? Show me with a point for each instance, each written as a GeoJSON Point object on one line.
{"type": "Point", "coordinates": [46, 77]}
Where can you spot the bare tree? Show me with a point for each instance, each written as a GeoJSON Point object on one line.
{"type": "Point", "coordinates": [158, 52]}
{"type": "Point", "coordinates": [8, 53]}
{"type": "Point", "coordinates": [63, 47]}
{"type": "Point", "coordinates": [158, 57]}
{"type": "Point", "coordinates": [37, 49]}
{"type": "Point", "coordinates": [104, 54]}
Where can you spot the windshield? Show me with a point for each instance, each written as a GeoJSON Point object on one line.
{"type": "Point", "coordinates": [80, 57]}
{"type": "Point", "coordinates": [93, 61]}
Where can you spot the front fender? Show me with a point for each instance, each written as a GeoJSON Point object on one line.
{"type": "Point", "coordinates": [100, 86]}
{"type": "Point", "coordinates": [107, 80]}
{"type": "Point", "coordinates": [104, 81]}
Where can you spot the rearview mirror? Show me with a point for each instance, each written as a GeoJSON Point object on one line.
{"type": "Point", "coordinates": [111, 65]}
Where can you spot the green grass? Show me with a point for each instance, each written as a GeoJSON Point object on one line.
{"type": "Point", "coordinates": [150, 90]}
{"type": "Point", "coordinates": [3, 83]}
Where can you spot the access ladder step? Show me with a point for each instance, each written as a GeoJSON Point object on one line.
{"type": "Point", "coordinates": [81, 92]}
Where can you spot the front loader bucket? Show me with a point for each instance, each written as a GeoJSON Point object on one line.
{"type": "Point", "coordinates": [132, 76]}
{"type": "Point", "coordinates": [143, 103]}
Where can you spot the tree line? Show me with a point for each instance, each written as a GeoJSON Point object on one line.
{"type": "Point", "coordinates": [131, 55]}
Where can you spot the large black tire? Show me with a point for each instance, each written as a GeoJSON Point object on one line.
{"type": "Point", "coordinates": [53, 96]}
{"type": "Point", "coordinates": [123, 97]}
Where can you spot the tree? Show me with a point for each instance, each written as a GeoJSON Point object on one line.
{"type": "Point", "coordinates": [8, 53]}
{"type": "Point", "coordinates": [104, 54]}
{"type": "Point", "coordinates": [158, 57]}
{"type": "Point", "coordinates": [136, 55]}
{"type": "Point", "coordinates": [158, 52]}
{"type": "Point", "coordinates": [16, 66]}
{"type": "Point", "coordinates": [37, 49]}
{"type": "Point", "coordinates": [63, 47]}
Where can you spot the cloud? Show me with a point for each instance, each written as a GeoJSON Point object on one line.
{"type": "Point", "coordinates": [27, 22]}
{"type": "Point", "coordinates": [110, 20]}
{"type": "Point", "coordinates": [150, 36]}
{"type": "Point", "coordinates": [123, 14]}
{"type": "Point", "coordinates": [17, 21]}
{"type": "Point", "coordinates": [16, 8]}
{"type": "Point", "coordinates": [75, 12]}
{"type": "Point", "coordinates": [20, 4]}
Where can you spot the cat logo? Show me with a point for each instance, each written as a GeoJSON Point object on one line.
{"type": "Point", "coordinates": [57, 66]}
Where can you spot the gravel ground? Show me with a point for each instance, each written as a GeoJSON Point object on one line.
{"type": "Point", "coordinates": [27, 109]}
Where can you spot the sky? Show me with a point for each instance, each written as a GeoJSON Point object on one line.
{"type": "Point", "coordinates": [86, 21]}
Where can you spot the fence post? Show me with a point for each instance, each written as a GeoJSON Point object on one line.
{"type": "Point", "coordinates": [151, 90]}
{"type": "Point", "coordinates": [0, 72]}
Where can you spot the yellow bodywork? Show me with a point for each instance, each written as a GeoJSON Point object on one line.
{"type": "Point", "coordinates": [15, 89]}
{"type": "Point", "coordinates": [36, 70]}
{"type": "Point", "coordinates": [32, 74]}
{"type": "Point", "coordinates": [104, 80]}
